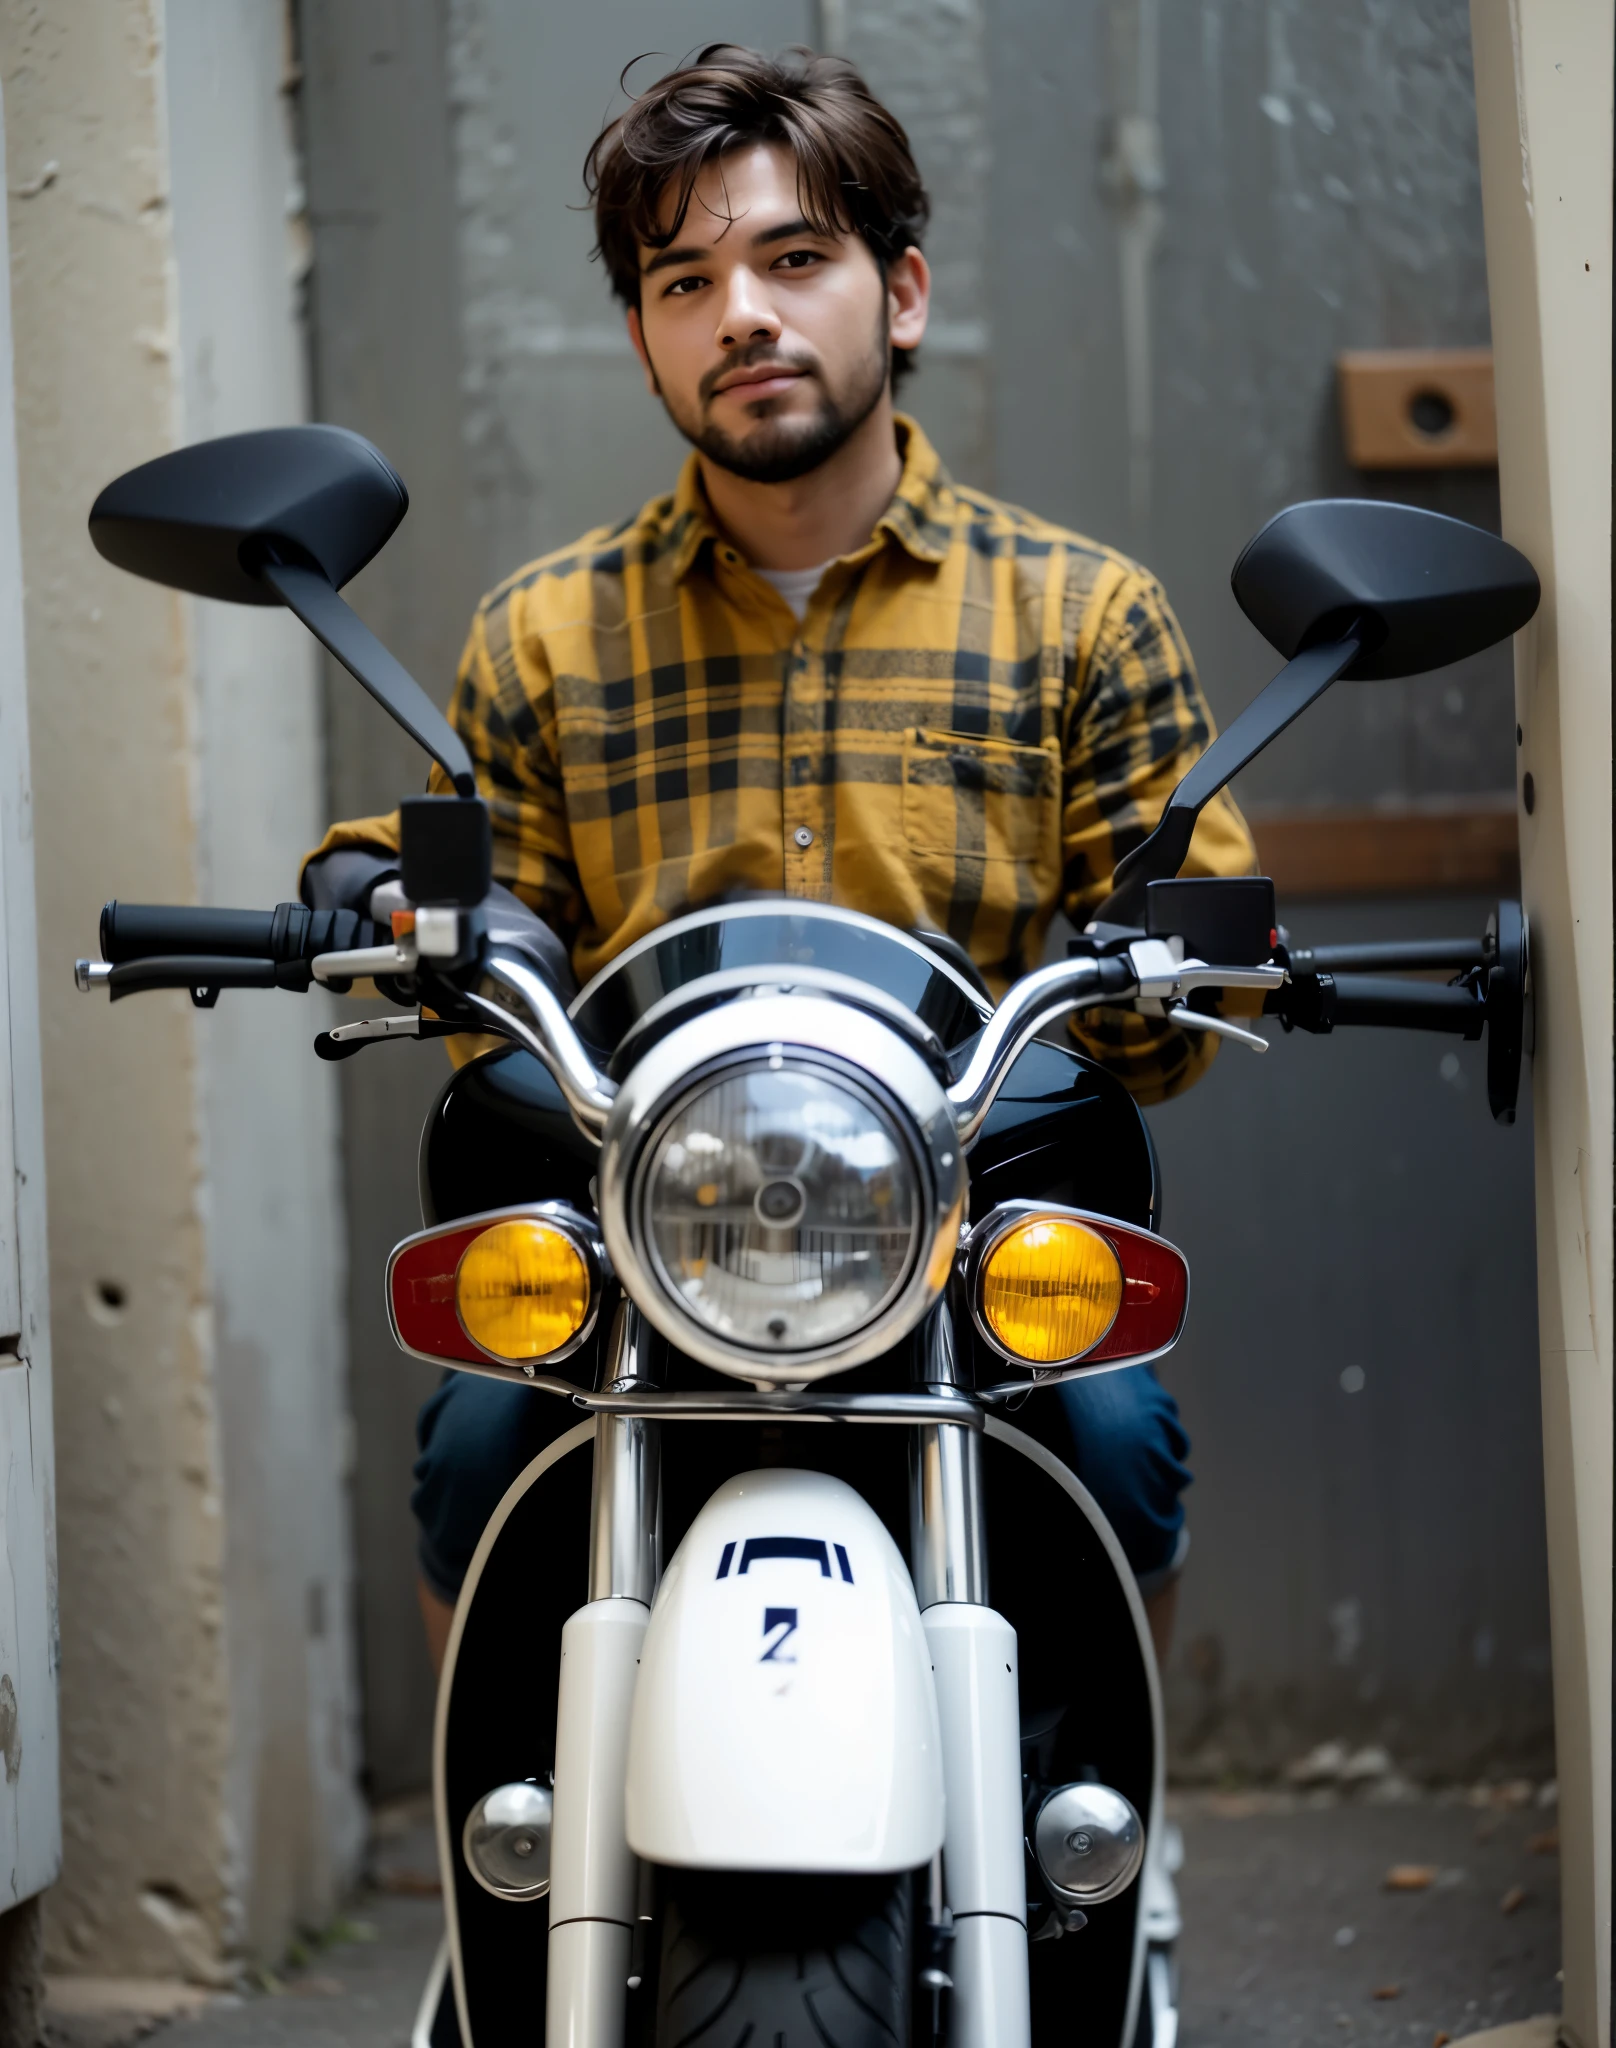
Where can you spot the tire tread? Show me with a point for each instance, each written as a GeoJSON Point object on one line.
{"type": "Point", "coordinates": [843, 1981]}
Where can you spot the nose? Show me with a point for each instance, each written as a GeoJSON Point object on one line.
{"type": "Point", "coordinates": [747, 314]}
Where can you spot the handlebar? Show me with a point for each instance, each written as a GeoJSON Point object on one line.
{"type": "Point", "coordinates": [289, 932]}
{"type": "Point", "coordinates": [150, 946]}
{"type": "Point", "coordinates": [1394, 956]}
{"type": "Point", "coordinates": [186, 945]}
{"type": "Point", "coordinates": [204, 974]}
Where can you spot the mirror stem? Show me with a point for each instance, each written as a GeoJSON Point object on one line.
{"type": "Point", "coordinates": [341, 630]}
{"type": "Point", "coordinates": [1297, 685]}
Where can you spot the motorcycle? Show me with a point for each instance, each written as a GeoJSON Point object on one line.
{"type": "Point", "coordinates": [736, 1734]}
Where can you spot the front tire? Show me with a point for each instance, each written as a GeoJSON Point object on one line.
{"type": "Point", "coordinates": [752, 1961]}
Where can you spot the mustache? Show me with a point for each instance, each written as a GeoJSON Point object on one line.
{"type": "Point", "coordinates": [748, 358]}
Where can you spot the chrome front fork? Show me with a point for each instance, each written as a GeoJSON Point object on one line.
{"type": "Point", "coordinates": [973, 1654]}
{"type": "Point", "coordinates": [594, 1878]}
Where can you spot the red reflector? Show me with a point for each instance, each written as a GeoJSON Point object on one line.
{"type": "Point", "coordinates": [421, 1289]}
{"type": "Point", "coordinates": [1155, 1294]}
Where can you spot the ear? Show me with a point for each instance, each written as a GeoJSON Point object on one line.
{"type": "Point", "coordinates": [636, 334]}
{"type": "Point", "coordinates": [908, 298]}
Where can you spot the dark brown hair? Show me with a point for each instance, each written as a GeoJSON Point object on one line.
{"type": "Point", "coordinates": [855, 171]}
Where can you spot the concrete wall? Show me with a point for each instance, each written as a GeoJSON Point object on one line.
{"type": "Point", "coordinates": [1190, 215]}
{"type": "Point", "coordinates": [208, 1749]}
{"type": "Point", "coordinates": [1164, 357]}
{"type": "Point", "coordinates": [1154, 228]}
{"type": "Point", "coordinates": [387, 361]}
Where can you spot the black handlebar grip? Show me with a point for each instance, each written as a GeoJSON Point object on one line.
{"type": "Point", "coordinates": [1395, 956]}
{"type": "Point", "coordinates": [291, 931]}
{"type": "Point", "coordinates": [1322, 1002]}
{"type": "Point", "coordinates": [1408, 1005]}
{"type": "Point", "coordinates": [138, 931]}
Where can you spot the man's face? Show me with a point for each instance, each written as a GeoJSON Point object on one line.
{"type": "Point", "coordinates": [768, 343]}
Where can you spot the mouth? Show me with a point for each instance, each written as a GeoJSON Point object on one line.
{"type": "Point", "coordinates": [758, 381]}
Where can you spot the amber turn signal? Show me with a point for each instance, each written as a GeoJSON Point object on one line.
{"type": "Point", "coordinates": [522, 1289]}
{"type": "Point", "coordinates": [1051, 1289]}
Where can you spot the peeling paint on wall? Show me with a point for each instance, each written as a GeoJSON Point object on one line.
{"type": "Point", "coordinates": [10, 1729]}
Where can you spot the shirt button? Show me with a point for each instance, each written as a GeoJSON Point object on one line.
{"type": "Point", "coordinates": [803, 836]}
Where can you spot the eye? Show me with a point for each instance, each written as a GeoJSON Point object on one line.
{"type": "Point", "coordinates": [798, 259]}
{"type": "Point", "coordinates": [682, 287]}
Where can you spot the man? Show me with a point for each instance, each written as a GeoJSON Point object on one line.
{"type": "Point", "coordinates": [820, 667]}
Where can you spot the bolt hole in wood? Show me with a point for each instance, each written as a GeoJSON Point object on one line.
{"type": "Point", "coordinates": [1418, 408]}
{"type": "Point", "coordinates": [107, 1301]}
{"type": "Point", "coordinates": [1432, 414]}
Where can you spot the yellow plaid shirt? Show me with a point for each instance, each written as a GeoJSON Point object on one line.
{"type": "Point", "coordinates": [978, 716]}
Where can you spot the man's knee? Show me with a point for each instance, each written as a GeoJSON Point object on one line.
{"type": "Point", "coordinates": [1129, 1451]}
{"type": "Point", "coordinates": [475, 1436]}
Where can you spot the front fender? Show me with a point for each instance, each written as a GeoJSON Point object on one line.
{"type": "Point", "coordinates": [785, 1717]}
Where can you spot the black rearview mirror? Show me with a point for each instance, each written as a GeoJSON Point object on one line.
{"type": "Point", "coordinates": [286, 515]}
{"type": "Point", "coordinates": [201, 518]}
{"type": "Point", "coordinates": [1427, 590]}
{"type": "Point", "coordinates": [1342, 587]}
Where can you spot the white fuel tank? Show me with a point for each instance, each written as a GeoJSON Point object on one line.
{"type": "Point", "coordinates": [785, 1717]}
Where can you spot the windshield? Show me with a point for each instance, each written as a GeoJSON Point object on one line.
{"type": "Point", "coordinates": [778, 933]}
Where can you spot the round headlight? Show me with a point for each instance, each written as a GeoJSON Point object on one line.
{"type": "Point", "coordinates": [1051, 1288]}
{"type": "Point", "coordinates": [781, 1207]}
{"type": "Point", "coordinates": [522, 1289]}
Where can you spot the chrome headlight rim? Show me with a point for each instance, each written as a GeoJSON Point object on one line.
{"type": "Point", "coordinates": [851, 1049]}
{"type": "Point", "coordinates": [855, 1084]}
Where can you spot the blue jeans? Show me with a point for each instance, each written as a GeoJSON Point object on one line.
{"type": "Point", "coordinates": [1119, 1431]}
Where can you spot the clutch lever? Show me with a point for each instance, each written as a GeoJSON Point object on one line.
{"type": "Point", "coordinates": [344, 1040]}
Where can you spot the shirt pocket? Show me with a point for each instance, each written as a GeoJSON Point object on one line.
{"type": "Point", "coordinates": [989, 799]}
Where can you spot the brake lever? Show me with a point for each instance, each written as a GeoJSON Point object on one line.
{"type": "Point", "coordinates": [1197, 1020]}
{"type": "Point", "coordinates": [1164, 976]}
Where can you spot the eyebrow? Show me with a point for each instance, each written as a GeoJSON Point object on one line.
{"type": "Point", "coordinates": [787, 231]}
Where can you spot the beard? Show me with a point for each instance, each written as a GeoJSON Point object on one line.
{"type": "Point", "coordinates": [782, 447]}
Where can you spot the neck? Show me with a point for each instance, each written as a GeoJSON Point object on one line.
{"type": "Point", "coordinates": [814, 518]}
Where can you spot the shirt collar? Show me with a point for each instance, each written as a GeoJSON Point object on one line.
{"type": "Point", "coordinates": [690, 520]}
{"type": "Point", "coordinates": [918, 518]}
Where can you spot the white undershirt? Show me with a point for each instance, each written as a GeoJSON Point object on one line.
{"type": "Point", "coordinates": [796, 586]}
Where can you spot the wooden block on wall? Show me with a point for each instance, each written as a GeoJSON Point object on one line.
{"type": "Point", "coordinates": [1465, 845]}
{"type": "Point", "coordinates": [1418, 408]}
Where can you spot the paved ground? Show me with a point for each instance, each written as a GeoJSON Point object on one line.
{"type": "Point", "coordinates": [360, 1991]}
{"type": "Point", "coordinates": [1290, 1932]}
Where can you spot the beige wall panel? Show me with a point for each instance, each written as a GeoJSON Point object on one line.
{"type": "Point", "coordinates": [30, 1812]}
{"type": "Point", "coordinates": [1543, 88]}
